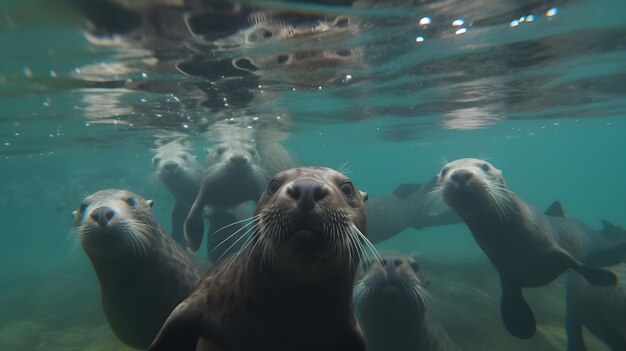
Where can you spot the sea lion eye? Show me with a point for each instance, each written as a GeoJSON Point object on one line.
{"type": "Point", "coordinates": [415, 267]}
{"type": "Point", "coordinates": [347, 189]}
{"type": "Point", "coordinates": [273, 187]}
{"type": "Point", "coordinates": [444, 171]}
{"type": "Point", "coordinates": [130, 201]}
{"type": "Point", "coordinates": [485, 167]}
{"type": "Point", "coordinates": [83, 207]}
{"type": "Point", "coordinates": [183, 157]}
{"type": "Point", "coordinates": [155, 161]}
{"type": "Point", "coordinates": [220, 150]}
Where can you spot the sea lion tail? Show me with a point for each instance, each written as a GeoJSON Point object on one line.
{"type": "Point", "coordinates": [596, 276]}
{"type": "Point", "coordinates": [517, 316]}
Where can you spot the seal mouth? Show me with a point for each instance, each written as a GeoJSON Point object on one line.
{"type": "Point", "coordinates": [307, 242]}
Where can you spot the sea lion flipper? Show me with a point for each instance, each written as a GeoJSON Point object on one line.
{"type": "Point", "coordinates": [404, 190]}
{"type": "Point", "coordinates": [555, 210]}
{"type": "Point", "coordinates": [596, 276]}
{"type": "Point", "coordinates": [517, 316]}
{"type": "Point", "coordinates": [181, 331]}
{"type": "Point", "coordinates": [179, 214]}
{"type": "Point", "coordinates": [194, 227]}
{"type": "Point", "coordinates": [573, 326]}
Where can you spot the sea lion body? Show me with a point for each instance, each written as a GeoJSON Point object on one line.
{"type": "Point", "coordinates": [527, 247]}
{"type": "Point", "coordinates": [409, 206]}
{"type": "Point", "coordinates": [391, 306]}
{"type": "Point", "coordinates": [181, 174]}
{"type": "Point", "coordinates": [290, 288]}
{"type": "Point", "coordinates": [143, 273]}
{"type": "Point", "coordinates": [233, 176]}
{"type": "Point", "coordinates": [601, 309]}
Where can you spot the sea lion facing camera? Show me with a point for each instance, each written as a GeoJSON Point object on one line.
{"type": "Point", "coordinates": [181, 174]}
{"type": "Point", "coordinates": [290, 288]}
{"type": "Point", "coordinates": [233, 175]}
{"type": "Point", "coordinates": [391, 305]}
{"type": "Point", "coordinates": [527, 248]}
{"type": "Point", "coordinates": [143, 273]}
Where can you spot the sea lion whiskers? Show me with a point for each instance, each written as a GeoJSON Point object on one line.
{"type": "Point", "coordinates": [355, 231]}
{"type": "Point", "coordinates": [74, 235]}
{"type": "Point", "coordinates": [499, 196]}
{"type": "Point", "coordinates": [417, 287]}
{"type": "Point", "coordinates": [250, 219]}
{"type": "Point", "coordinates": [247, 242]}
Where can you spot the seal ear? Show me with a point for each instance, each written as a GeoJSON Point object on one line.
{"type": "Point", "coordinates": [364, 195]}
{"type": "Point", "coordinates": [150, 203]}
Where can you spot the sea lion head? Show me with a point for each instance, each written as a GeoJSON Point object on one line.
{"type": "Point", "coordinates": [233, 158]}
{"type": "Point", "coordinates": [311, 217]}
{"type": "Point", "coordinates": [173, 163]}
{"type": "Point", "coordinates": [394, 283]}
{"type": "Point", "coordinates": [472, 185]}
{"type": "Point", "coordinates": [113, 222]}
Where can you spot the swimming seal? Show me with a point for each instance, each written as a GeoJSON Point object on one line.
{"type": "Point", "coordinates": [601, 309]}
{"type": "Point", "coordinates": [290, 288]}
{"type": "Point", "coordinates": [409, 206]}
{"type": "Point", "coordinates": [143, 273]}
{"type": "Point", "coordinates": [527, 247]}
{"type": "Point", "coordinates": [233, 175]}
{"type": "Point", "coordinates": [391, 306]}
{"type": "Point", "coordinates": [181, 174]}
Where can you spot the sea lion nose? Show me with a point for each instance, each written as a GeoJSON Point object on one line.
{"type": "Point", "coordinates": [307, 192]}
{"type": "Point", "coordinates": [102, 215]}
{"type": "Point", "coordinates": [170, 165]}
{"type": "Point", "coordinates": [461, 176]}
{"type": "Point", "coordinates": [238, 160]}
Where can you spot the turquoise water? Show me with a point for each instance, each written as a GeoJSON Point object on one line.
{"type": "Point", "coordinates": [542, 100]}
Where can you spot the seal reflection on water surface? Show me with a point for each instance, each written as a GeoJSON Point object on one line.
{"type": "Point", "coordinates": [143, 273]}
{"type": "Point", "coordinates": [527, 247]}
{"type": "Point", "coordinates": [290, 288]}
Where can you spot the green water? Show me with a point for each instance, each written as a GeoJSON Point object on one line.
{"type": "Point", "coordinates": [544, 102]}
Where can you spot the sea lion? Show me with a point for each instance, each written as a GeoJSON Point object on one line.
{"type": "Point", "coordinates": [181, 174]}
{"type": "Point", "coordinates": [233, 175]}
{"type": "Point", "coordinates": [391, 306]}
{"type": "Point", "coordinates": [601, 309]}
{"type": "Point", "coordinates": [143, 273]}
{"type": "Point", "coordinates": [527, 247]}
{"type": "Point", "coordinates": [290, 288]}
{"type": "Point", "coordinates": [409, 206]}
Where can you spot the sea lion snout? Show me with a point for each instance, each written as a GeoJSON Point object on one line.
{"type": "Point", "coordinates": [307, 193]}
{"type": "Point", "coordinates": [102, 215]}
{"type": "Point", "coordinates": [461, 176]}
{"type": "Point", "coordinates": [389, 262]}
{"type": "Point", "coordinates": [170, 165]}
{"type": "Point", "coordinates": [238, 160]}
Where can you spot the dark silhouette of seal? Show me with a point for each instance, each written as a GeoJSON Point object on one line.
{"type": "Point", "coordinates": [143, 273]}
{"type": "Point", "coordinates": [290, 288]}
{"type": "Point", "coordinates": [527, 248]}
{"type": "Point", "coordinates": [391, 303]}
{"type": "Point", "coordinates": [601, 309]}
